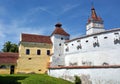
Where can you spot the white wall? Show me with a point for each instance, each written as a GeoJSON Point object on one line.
{"type": "Point", "coordinates": [90, 75]}
{"type": "Point", "coordinates": [106, 51]}
{"type": "Point", "coordinates": [58, 49]}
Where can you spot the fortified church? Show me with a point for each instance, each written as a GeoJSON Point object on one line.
{"type": "Point", "coordinates": [94, 57]}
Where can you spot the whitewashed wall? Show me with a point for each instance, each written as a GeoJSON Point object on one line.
{"type": "Point", "coordinates": [58, 49]}
{"type": "Point", "coordinates": [89, 76]}
{"type": "Point", "coordinates": [104, 52]}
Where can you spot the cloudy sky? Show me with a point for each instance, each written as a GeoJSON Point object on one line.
{"type": "Point", "coordinates": [40, 16]}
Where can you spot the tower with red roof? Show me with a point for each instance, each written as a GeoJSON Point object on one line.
{"type": "Point", "coordinates": [95, 23]}
{"type": "Point", "coordinates": [58, 37]}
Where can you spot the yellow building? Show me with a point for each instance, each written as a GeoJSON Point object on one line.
{"type": "Point", "coordinates": [34, 53]}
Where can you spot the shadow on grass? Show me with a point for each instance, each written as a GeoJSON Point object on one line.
{"type": "Point", "coordinates": [11, 79]}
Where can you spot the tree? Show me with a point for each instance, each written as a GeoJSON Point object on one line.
{"type": "Point", "coordinates": [10, 47]}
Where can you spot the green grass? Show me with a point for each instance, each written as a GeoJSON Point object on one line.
{"type": "Point", "coordinates": [31, 79]}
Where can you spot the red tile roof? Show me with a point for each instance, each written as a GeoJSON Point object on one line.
{"type": "Point", "coordinates": [36, 38]}
{"type": "Point", "coordinates": [94, 16]}
{"type": "Point", "coordinates": [59, 30]}
{"type": "Point", "coordinates": [8, 58]}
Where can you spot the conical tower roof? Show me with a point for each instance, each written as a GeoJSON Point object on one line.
{"type": "Point", "coordinates": [59, 30]}
{"type": "Point", "coordinates": [94, 16]}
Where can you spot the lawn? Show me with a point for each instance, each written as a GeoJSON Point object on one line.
{"type": "Point", "coordinates": [31, 79]}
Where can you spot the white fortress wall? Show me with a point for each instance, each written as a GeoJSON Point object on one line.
{"type": "Point", "coordinates": [98, 49]}
{"type": "Point", "coordinates": [89, 75]}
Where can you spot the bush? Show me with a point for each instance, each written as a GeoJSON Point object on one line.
{"type": "Point", "coordinates": [77, 80]}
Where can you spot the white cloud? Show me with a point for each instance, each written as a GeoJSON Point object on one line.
{"type": "Point", "coordinates": [69, 7]}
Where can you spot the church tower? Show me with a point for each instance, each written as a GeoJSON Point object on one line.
{"type": "Point", "coordinates": [58, 37]}
{"type": "Point", "coordinates": [95, 23]}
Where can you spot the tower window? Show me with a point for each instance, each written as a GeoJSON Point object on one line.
{"type": "Point", "coordinates": [27, 51]}
{"type": "Point", "coordinates": [86, 41]}
{"type": "Point", "coordinates": [48, 52]}
{"type": "Point", "coordinates": [38, 52]}
{"type": "Point", "coordinates": [61, 38]}
{"type": "Point", "coordinates": [60, 44]}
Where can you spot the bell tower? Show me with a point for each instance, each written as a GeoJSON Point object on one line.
{"type": "Point", "coordinates": [95, 23]}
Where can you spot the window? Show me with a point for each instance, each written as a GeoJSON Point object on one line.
{"type": "Point", "coordinates": [61, 38]}
{"type": "Point", "coordinates": [60, 44]}
{"type": "Point", "coordinates": [78, 40]}
{"type": "Point", "coordinates": [86, 41]}
{"type": "Point", "coordinates": [48, 52]}
{"type": "Point", "coordinates": [27, 51]}
{"type": "Point", "coordinates": [116, 38]}
{"type": "Point", "coordinates": [29, 58]}
{"type": "Point", "coordinates": [67, 49]}
{"type": "Point", "coordinates": [38, 52]}
{"type": "Point", "coordinates": [3, 67]}
{"type": "Point", "coordinates": [105, 37]}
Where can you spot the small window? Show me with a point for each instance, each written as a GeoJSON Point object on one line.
{"type": "Point", "coordinates": [48, 52]}
{"type": "Point", "coordinates": [66, 44]}
{"type": "Point", "coordinates": [67, 49]}
{"type": "Point", "coordinates": [29, 58]}
{"type": "Point", "coordinates": [61, 38]}
{"type": "Point", "coordinates": [116, 33]}
{"type": "Point", "coordinates": [86, 41]}
{"type": "Point", "coordinates": [105, 37]}
{"type": "Point", "coordinates": [3, 67]}
{"type": "Point", "coordinates": [38, 52]}
{"type": "Point", "coordinates": [78, 40]}
{"type": "Point", "coordinates": [60, 44]}
{"type": "Point", "coordinates": [27, 51]}
{"type": "Point", "coordinates": [95, 37]}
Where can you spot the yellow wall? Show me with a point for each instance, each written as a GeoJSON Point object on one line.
{"type": "Point", "coordinates": [4, 71]}
{"type": "Point", "coordinates": [7, 70]}
{"type": "Point", "coordinates": [33, 62]}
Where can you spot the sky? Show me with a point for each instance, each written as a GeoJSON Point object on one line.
{"type": "Point", "coordinates": [40, 17]}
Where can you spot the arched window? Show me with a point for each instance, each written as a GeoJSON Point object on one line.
{"type": "Point", "coordinates": [38, 52]}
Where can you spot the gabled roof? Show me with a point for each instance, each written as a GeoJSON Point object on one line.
{"type": "Point", "coordinates": [59, 30]}
{"type": "Point", "coordinates": [8, 58]}
{"type": "Point", "coordinates": [35, 38]}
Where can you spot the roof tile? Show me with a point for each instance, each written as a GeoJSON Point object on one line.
{"type": "Point", "coordinates": [36, 38]}
{"type": "Point", "coordinates": [59, 30]}
{"type": "Point", "coordinates": [8, 58]}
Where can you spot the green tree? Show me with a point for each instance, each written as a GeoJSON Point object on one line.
{"type": "Point", "coordinates": [10, 47]}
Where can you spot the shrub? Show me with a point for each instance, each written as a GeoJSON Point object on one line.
{"type": "Point", "coordinates": [77, 80]}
